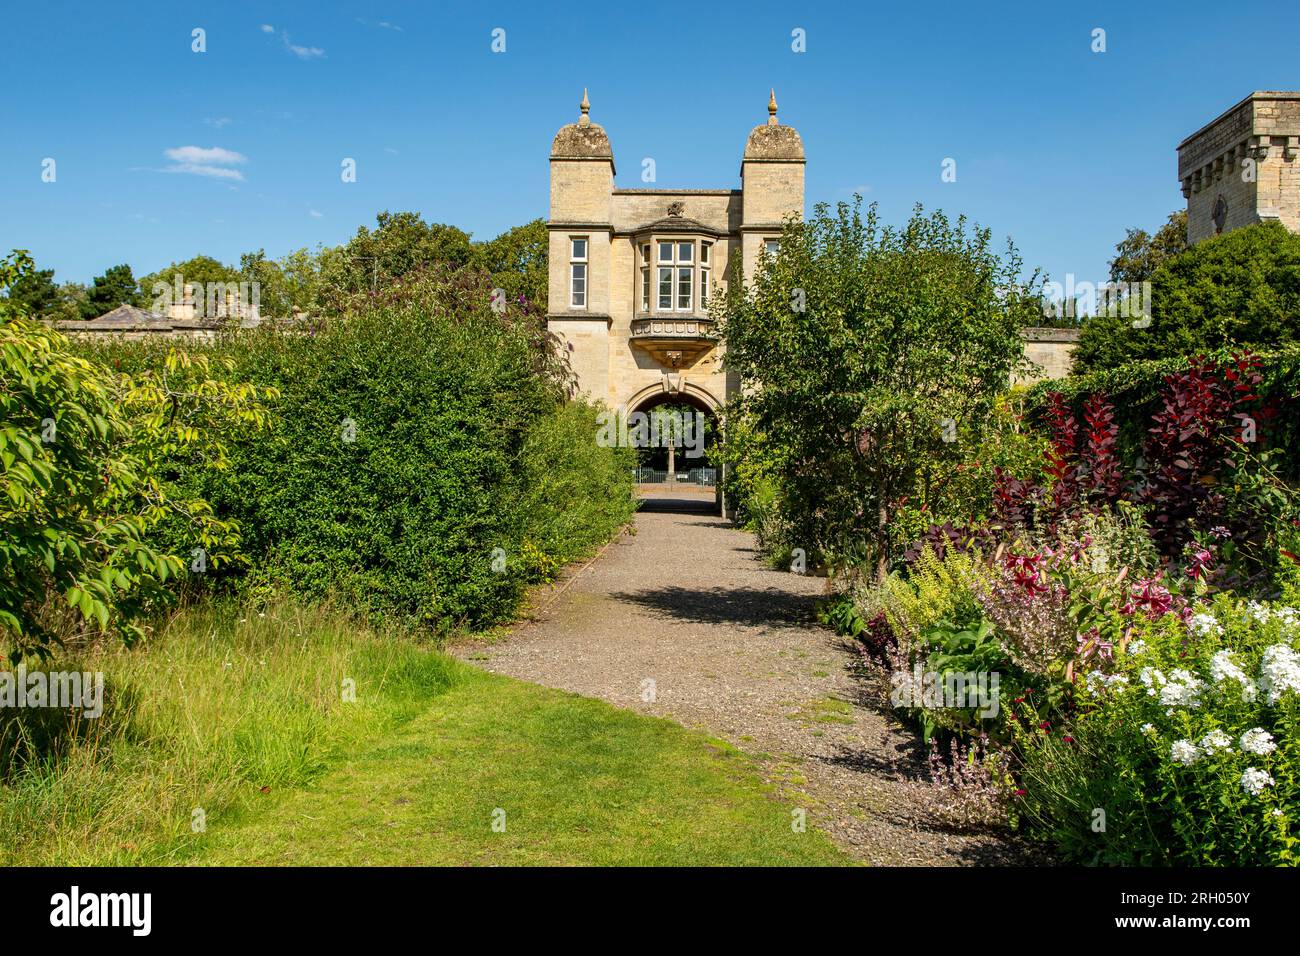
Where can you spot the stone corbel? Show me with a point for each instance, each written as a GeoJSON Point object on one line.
{"type": "Point", "coordinates": [1292, 148]}
{"type": "Point", "coordinates": [673, 383]}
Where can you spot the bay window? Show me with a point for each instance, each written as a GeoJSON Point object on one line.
{"type": "Point", "coordinates": [675, 275]}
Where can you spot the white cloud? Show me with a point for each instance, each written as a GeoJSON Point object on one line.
{"type": "Point", "coordinates": [303, 52]}
{"type": "Point", "coordinates": [213, 162]}
{"type": "Point", "coordinates": [200, 154]}
{"type": "Point", "coordinates": [315, 214]}
{"type": "Point", "coordinates": [198, 169]}
{"type": "Point", "coordinates": [218, 122]}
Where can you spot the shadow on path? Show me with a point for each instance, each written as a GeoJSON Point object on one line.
{"type": "Point", "coordinates": [748, 607]}
{"type": "Point", "coordinates": [679, 504]}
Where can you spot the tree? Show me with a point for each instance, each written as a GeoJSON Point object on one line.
{"type": "Point", "coordinates": [517, 260]}
{"type": "Point", "coordinates": [870, 356]}
{"type": "Point", "coordinates": [291, 282]}
{"type": "Point", "coordinates": [401, 243]}
{"type": "Point", "coordinates": [1238, 289]}
{"type": "Point", "coordinates": [162, 288]}
{"type": "Point", "coordinates": [1138, 254]}
{"type": "Point", "coordinates": [72, 299]}
{"type": "Point", "coordinates": [115, 287]}
{"type": "Point", "coordinates": [35, 294]}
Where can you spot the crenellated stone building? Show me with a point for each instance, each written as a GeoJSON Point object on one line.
{"type": "Point", "coordinates": [632, 271]}
{"type": "Point", "coordinates": [1244, 166]}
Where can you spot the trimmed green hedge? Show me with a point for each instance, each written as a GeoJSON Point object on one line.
{"type": "Point", "coordinates": [411, 441]}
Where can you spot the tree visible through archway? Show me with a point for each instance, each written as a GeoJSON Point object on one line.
{"type": "Point", "coordinates": [677, 432]}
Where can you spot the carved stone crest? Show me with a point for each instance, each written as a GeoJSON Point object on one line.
{"type": "Point", "coordinates": [676, 208]}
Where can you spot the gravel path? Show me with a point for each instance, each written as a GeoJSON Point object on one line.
{"type": "Point", "coordinates": [681, 620]}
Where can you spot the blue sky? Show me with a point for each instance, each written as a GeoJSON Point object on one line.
{"type": "Point", "coordinates": [163, 153]}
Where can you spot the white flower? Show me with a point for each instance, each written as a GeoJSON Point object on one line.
{"type": "Point", "coordinates": [1151, 679]}
{"type": "Point", "coordinates": [1136, 646]}
{"type": "Point", "coordinates": [1096, 680]}
{"type": "Point", "coordinates": [1288, 616]}
{"type": "Point", "coordinates": [1276, 811]}
{"type": "Point", "coordinates": [1182, 690]}
{"type": "Point", "coordinates": [1223, 667]}
{"type": "Point", "coordinates": [1148, 728]}
{"type": "Point", "coordinates": [1279, 671]}
{"type": "Point", "coordinates": [1184, 752]}
{"type": "Point", "coordinates": [1254, 781]}
{"type": "Point", "coordinates": [1257, 740]}
{"type": "Point", "coordinates": [1216, 740]}
{"type": "Point", "coordinates": [1204, 625]}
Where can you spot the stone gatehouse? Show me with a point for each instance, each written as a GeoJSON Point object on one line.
{"type": "Point", "coordinates": [632, 271]}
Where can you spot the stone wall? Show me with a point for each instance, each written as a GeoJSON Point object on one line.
{"type": "Point", "coordinates": [1051, 351]}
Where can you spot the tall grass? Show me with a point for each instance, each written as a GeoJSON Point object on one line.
{"type": "Point", "coordinates": [223, 707]}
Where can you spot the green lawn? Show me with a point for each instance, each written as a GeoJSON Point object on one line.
{"type": "Point", "coordinates": [243, 717]}
{"type": "Point", "coordinates": [579, 781]}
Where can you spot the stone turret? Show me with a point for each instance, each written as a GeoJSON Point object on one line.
{"type": "Point", "coordinates": [1244, 166]}
{"type": "Point", "coordinates": [771, 174]}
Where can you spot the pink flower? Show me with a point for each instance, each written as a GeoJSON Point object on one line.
{"type": "Point", "coordinates": [1151, 596]}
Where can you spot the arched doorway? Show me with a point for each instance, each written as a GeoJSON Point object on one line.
{"type": "Point", "coordinates": [675, 433]}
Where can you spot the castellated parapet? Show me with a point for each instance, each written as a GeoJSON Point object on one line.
{"type": "Point", "coordinates": [1244, 166]}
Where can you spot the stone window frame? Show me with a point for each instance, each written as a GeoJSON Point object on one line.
{"type": "Point", "coordinates": [706, 273]}
{"type": "Point", "coordinates": [645, 249]}
{"type": "Point", "coordinates": [579, 271]}
{"type": "Point", "coordinates": [697, 270]}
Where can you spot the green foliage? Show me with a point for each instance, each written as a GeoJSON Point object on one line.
{"type": "Point", "coordinates": [422, 463]}
{"type": "Point", "coordinates": [1239, 289]}
{"type": "Point", "coordinates": [858, 343]}
{"type": "Point", "coordinates": [34, 293]}
{"type": "Point", "coordinates": [291, 282]}
{"type": "Point", "coordinates": [1138, 255]}
{"type": "Point", "coordinates": [518, 260]}
{"type": "Point", "coordinates": [1170, 768]}
{"type": "Point", "coordinates": [221, 701]}
{"type": "Point", "coordinates": [401, 243]}
{"type": "Point", "coordinates": [1135, 389]}
{"type": "Point", "coordinates": [86, 494]}
{"type": "Point", "coordinates": [117, 286]}
{"type": "Point", "coordinates": [575, 494]}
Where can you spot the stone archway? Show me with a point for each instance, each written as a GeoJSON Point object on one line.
{"type": "Point", "coordinates": [684, 479]}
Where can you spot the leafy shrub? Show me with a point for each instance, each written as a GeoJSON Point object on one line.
{"type": "Point", "coordinates": [422, 463]}
{"type": "Point", "coordinates": [894, 334]}
{"type": "Point", "coordinates": [1188, 745]}
{"type": "Point", "coordinates": [1240, 289]}
{"type": "Point", "coordinates": [93, 522]}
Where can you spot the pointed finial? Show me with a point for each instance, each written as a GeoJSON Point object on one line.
{"type": "Point", "coordinates": [585, 106]}
{"type": "Point", "coordinates": [771, 108]}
